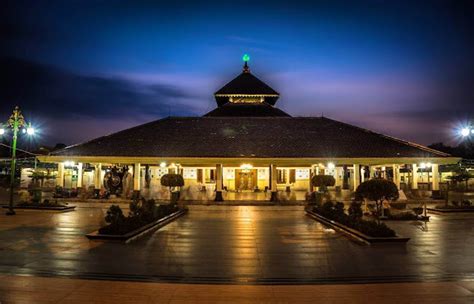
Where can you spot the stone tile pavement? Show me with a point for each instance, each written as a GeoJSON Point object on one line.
{"type": "Point", "coordinates": [234, 245]}
{"type": "Point", "coordinates": [27, 289]}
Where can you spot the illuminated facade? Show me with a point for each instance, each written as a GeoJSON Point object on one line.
{"type": "Point", "coordinates": [247, 148]}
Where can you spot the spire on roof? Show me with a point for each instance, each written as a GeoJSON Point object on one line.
{"type": "Point", "coordinates": [246, 58]}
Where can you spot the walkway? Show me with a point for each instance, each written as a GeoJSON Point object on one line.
{"type": "Point", "coordinates": [26, 290]}
{"type": "Point", "coordinates": [234, 245]}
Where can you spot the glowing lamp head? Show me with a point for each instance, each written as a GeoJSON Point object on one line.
{"type": "Point", "coordinates": [2, 131]}
{"type": "Point", "coordinates": [246, 58]}
{"type": "Point", "coordinates": [465, 131]}
{"type": "Point", "coordinates": [331, 166]}
{"type": "Point", "coordinates": [30, 131]}
{"type": "Point", "coordinates": [163, 165]}
{"type": "Point", "coordinates": [68, 163]}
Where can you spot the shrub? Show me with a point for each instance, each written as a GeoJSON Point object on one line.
{"type": "Point", "coordinates": [418, 210]}
{"type": "Point", "coordinates": [355, 210]}
{"type": "Point", "coordinates": [323, 181]}
{"type": "Point", "coordinates": [404, 216]}
{"type": "Point", "coordinates": [114, 215]}
{"type": "Point", "coordinates": [370, 228]}
{"type": "Point", "coordinates": [142, 212]}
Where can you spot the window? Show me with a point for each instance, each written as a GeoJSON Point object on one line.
{"type": "Point", "coordinates": [189, 173]}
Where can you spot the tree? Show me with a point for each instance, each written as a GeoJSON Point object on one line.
{"type": "Point", "coordinates": [462, 175]}
{"type": "Point", "coordinates": [172, 181]}
{"type": "Point", "coordinates": [323, 182]}
{"type": "Point", "coordinates": [377, 190]}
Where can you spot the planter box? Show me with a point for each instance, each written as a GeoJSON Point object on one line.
{"type": "Point", "coordinates": [354, 234]}
{"type": "Point", "coordinates": [449, 210]}
{"type": "Point", "coordinates": [48, 208]}
{"type": "Point", "coordinates": [137, 232]}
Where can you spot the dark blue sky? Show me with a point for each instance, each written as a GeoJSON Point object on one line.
{"type": "Point", "coordinates": [81, 69]}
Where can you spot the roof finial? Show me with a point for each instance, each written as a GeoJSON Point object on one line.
{"type": "Point", "coordinates": [246, 58]}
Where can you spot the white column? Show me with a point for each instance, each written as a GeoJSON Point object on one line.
{"type": "Point", "coordinates": [273, 173]}
{"type": "Point", "coordinates": [356, 176]}
{"type": "Point", "coordinates": [97, 176]}
{"type": "Point", "coordinates": [79, 175]}
{"type": "Point", "coordinates": [396, 175]}
{"type": "Point", "coordinates": [311, 174]}
{"type": "Point", "coordinates": [60, 176]}
{"type": "Point", "coordinates": [136, 177]}
{"type": "Point", "coordinates": [219, 172]}
{"type": "Point", "coordinates": [219, 177]}
{"type": "Point", "coordinates": [414, 178]}
{"type": "Point", "coordinates": [339, 176]}
{"type": "Point", "coordinates": [273, 181]}
{"type": "Point", "coordinates": [435, 180]}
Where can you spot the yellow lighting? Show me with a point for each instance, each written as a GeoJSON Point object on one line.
{"type": "Point", "coordinates": [331, 166]}
{"type": "Point", "coordinates": [425, 165]}
{"type": "Point", "coordinates": [68, 163]}
{"type": "Point", "coordinates": [246, 166]}
{"type": "Point", "coordinates": [163, 165]}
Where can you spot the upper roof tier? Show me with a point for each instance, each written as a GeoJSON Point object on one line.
{"type": "Point", "coordinates": [246, 86]}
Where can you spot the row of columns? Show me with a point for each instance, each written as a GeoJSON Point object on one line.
{"type": "Point", "coordinates": [273, 176]}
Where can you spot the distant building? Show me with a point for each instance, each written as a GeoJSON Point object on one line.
{"type": "Point", "coordinates": [247, 148]}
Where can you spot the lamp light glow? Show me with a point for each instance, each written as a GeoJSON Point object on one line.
{"type": "Point", "coordinates": [331, 166]}
{"type": "Point", "coordinates": [30, 131]}
{"type": "Point", "coordinates": [246, 57]}
{"type": "Point", "coordinates": [2, 131]}
{"type": "Point", "coordinates": [68, 163]}
{"type": "Point", "coordinates": [163, 165]}
{"type": "Point", "coordinates": [465, 131]}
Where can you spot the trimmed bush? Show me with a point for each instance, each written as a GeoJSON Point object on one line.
{"type": "Point", "coordinates": [370, 228]}
{"type": "Point", "coordinates": [173, 181]}
{"type": "Point", "coordinates": [323, 181]}
{"type": "Point", "coordinates": [355, 210]}
{"type": "Point", "coordinates": [378, 190]}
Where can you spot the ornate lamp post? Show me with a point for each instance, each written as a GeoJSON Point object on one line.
{"type": "Point", "coordinates": [15, 122]}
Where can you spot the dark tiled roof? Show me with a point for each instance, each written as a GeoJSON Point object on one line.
{"type": "Point", "coordinates": [246, 84]}
{"type": "Point", "coordinates": [248, 137]}
{"type": "Point", "coordinates": [246, 110]}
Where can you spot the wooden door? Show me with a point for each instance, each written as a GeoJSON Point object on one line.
{"type": "Point", "coordinates": [245, 180]}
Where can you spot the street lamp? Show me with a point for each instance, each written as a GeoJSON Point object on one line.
{"type": "Point", "coordinates": [15, 122]}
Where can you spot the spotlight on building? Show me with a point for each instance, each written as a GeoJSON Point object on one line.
{"type": "Point", "coordinates": [246, 167]}
{"type": "Point", "coordinates": [422, 165]}
{"type": "Point", "coordinates": [163, 165]}
{"type": "Point", "coordinates": [68, 163]}
{"type": "Point", "coordinates": [331, 166]}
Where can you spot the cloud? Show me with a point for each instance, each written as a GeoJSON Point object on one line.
{"type": "Point", "coordinates": [50, 93]}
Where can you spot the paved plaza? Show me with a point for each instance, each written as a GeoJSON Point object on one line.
{"type": "Point", "coordinates": [249, 245]}
{"type": "Point", "coordinates": [26, 290]}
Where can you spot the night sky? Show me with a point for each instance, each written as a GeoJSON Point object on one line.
{"type": "Point", "coordinates": [82, 69]}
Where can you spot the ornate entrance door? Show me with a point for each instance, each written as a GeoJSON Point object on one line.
{"type": "Point", "coordinates": [245, 180]}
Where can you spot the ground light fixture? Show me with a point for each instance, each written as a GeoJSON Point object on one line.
{"type": "Point", "coordinates": [16, 122]}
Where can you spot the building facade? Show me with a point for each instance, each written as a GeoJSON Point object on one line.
{"type": "Point", "coordinates": [246, 148]}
